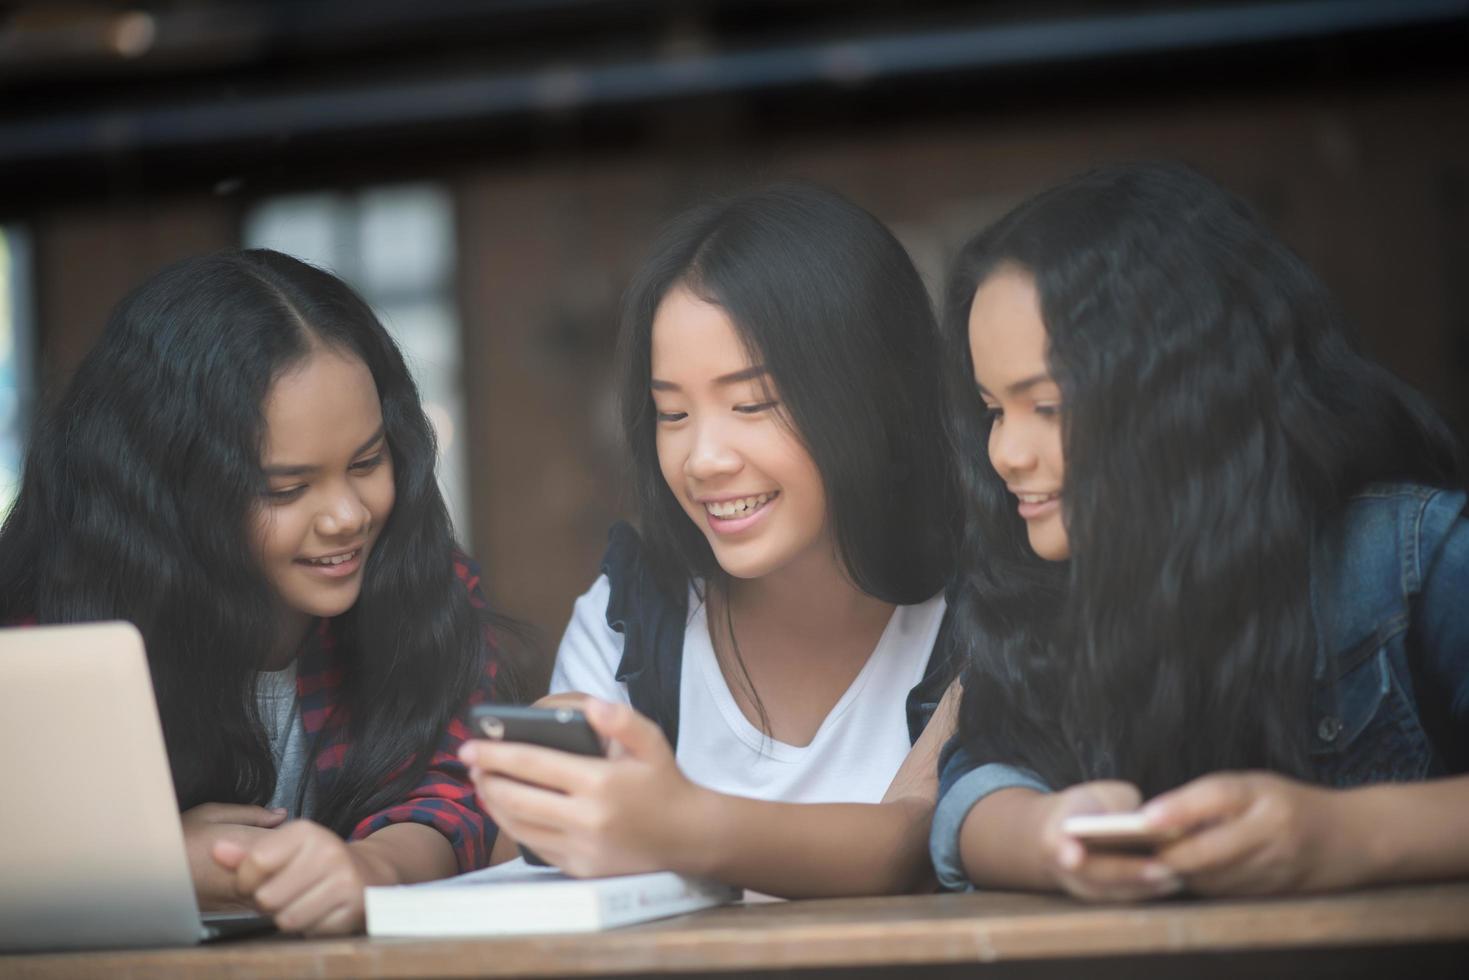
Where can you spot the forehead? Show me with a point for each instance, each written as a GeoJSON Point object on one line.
{"type": "Point", "coordinates": [694, 340]}
{"type": "Point", "coordinates": [323, 406]}
{"type": "Point", "coordinates": [1007, 337]}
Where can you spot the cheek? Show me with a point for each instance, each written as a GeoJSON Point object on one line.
{"type": "Point", "coordinates": [670, 459]}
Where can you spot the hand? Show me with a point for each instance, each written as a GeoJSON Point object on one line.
{"type": "Point", "coordinates": [303, 875]}
{"type": "Point", "coordinates": [627, 813]}
{"type": "Point", "coordinates": [1257, 833]}
{"type": "Point", "coordinates": [1100, 875]}
{"type": "Point", "coordinates": [206, 825]}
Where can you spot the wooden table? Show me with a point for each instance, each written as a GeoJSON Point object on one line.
{"type": "Point", "coordinates": [1407, 931]}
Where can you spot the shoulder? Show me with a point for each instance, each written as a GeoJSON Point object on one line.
{"type": "Point", "coordinates": [1377, 555]}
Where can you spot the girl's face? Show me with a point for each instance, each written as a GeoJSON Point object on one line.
{"type": "Point", "coordinates": [726, 450]}
{"type": "Point", "coordinates": [329, 483]}
{"type": "Point", "coordinates": [1007, 341]}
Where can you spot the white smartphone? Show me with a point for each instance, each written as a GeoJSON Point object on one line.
{"type": "Point", "coordinates": [1117, 832]}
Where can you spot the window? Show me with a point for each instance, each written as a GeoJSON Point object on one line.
{"type": "Point", "coordinates": [17, 370]}
{"type": "Point", "coordinates": [395, 245]}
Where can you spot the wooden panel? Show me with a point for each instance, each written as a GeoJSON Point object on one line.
{"type": "Point", "coordinates": [910, 932]}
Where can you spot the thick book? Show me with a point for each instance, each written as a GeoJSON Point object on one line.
{"type": "Point", "coordinates": [516, 898]}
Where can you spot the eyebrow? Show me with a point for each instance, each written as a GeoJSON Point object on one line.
{"type": "Point", "coordinates": [734, 377]}
{"type": "Point", "coordinates": [1020, 386]}
{"type": "Point", "coordinates": [288, 470]}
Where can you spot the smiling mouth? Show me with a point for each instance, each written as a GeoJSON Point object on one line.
{"type": "Point", "coordinates": [739, 507]}
{"type": "Point", "coordinates": [331, 561]}
{"type": "Point", "coordinates": [1036, 498]}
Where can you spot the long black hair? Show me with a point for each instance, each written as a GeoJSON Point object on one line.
{"type": "Point", "coordinates": [828, 301]}
{"type": "Point", "coordinates": [1216, 415]}
{"type": "Point", "coordinates": [135, 504]}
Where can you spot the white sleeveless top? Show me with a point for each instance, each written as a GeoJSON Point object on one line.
{"type": "Point", "coordinates": [855, 753]}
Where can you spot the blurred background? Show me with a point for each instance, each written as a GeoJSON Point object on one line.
{"type": "Point", "coordinates": [488, 175]}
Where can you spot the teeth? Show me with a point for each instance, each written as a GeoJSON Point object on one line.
{"type": "Point", "coordinates": [1034, 498]}
{"type": "Point", "coordinates": [334, 560]}
{"type": "Point", "coordinates": [738, 508]}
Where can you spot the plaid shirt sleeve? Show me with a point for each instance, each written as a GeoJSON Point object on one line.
{"type": "Point", "coordinates": [444, 799]}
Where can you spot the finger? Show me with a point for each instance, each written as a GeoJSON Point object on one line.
{"type": "Point", "coordinates": [1205, 800]}
{"type": "Point", "coordinates": [307, 907]}
{"type": "Point", "coordinates": [638, 735]}
{"type": "Point", "coordinates": [1250, 874]}
{"type": "Point", "coordinates": [342, 920]}
{"type": "Point", "coordinates": [513, 803]}
{"type": "Point", "coordinates": [564, 772]}
{"type": "Point", "coordinates": [241, 813]}
{"type": "Point", "coordinates": [1213, 848]}
{"type": "Point", "coordinates": [1110, 796]}
{"type": "Point", "coordinates": [272, 854]}
{"type": "Point", "coordinates": [1117, 877]}
{"type": "Point", "coordinates": [566, 699]}
{"type": "Point", "coordinates": [228, 854]}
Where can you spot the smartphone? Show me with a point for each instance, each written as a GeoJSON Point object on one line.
{"type": "Point", "coordinates": [553, 728]}
{"type": "Point", "coordinates": [565, 729]}
{"type": "Point", "coordinates": [1126, 832]}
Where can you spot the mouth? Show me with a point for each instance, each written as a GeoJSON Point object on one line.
{"type": "Point", "coordinates": [738, 506]}
{"type": "Point", "coordinates": [737, 513]}
{"type": "Point", "coordinates": [1037, 505]}
{"type": "Point", "coordinates": [339, 564]}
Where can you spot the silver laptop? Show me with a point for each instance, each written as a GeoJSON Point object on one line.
{"type": "Point", "coordinates": [91, 848]}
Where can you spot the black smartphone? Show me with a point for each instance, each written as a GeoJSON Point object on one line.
{"type": "Point", "coordinates": [565, 729]}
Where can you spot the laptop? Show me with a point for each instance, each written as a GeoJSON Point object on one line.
{"type": "Point", "coordinates": [91, 847]}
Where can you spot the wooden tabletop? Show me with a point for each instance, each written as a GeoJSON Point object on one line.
{"type": "Point", "coordinates": [908, 932]}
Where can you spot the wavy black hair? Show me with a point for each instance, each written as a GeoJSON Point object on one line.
{"type": "Point", "coordinates": [1217, 414]}
{"type": "Point", "coordinates": [828, 301]}
{"type": "Point", "coordinates": [136, 502]}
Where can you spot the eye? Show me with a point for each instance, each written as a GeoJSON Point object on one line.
{"type": "Point", "coordinates": [369, 464]}
{"type": "Point", "coordinates": [1050, 411]}
{"type": "Point", "coordinates": [993, 413]}
{"type": "Point", "coordinates": [756, 408]}
{"type": "Point", "coordinates": [284, 496]}
{"type": "Point", "coordinates": [672, 416]}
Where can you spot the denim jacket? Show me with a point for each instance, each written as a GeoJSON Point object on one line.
{"type": "Point", "coordinates": [652, 623]}
{"type": "Point", "coordinates": [1390, 597]}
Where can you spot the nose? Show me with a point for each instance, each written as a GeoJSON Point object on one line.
{"type": "Point", "coordinates": [1011, 452]}
{"type": "Point", "coordinates": [711, 456]}
{"type": "Point", "coordinates": [343, 515]}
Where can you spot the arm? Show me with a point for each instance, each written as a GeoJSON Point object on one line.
{"type": "Point", "coordinates": [636, 812]}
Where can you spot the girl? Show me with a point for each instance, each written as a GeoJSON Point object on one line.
{"type": "Point", "coordinates": [241, 468]}
{"type": "Point", "coordinates": [775, 622]}
{"type": "Point", "coordinates": [1216, 559]}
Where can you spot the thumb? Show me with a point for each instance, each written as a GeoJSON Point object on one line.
{"type": "Point", "coordinates": [1112, 796]}
{"type": "Point", "coordinates": [228, 854]}
{"type": "Point", "coordinates": [619, 725]}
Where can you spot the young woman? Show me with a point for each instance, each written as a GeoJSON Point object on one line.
{"type": "Point", "coordinates": [1216, 560]}
{"type": "Point", "coordinates": [774, 623]}
{"type": "Point", "coordinates": [242, 468]}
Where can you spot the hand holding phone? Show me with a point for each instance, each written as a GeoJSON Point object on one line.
{"type": "Point", "coordinates": [564, 729]}
{"type": "Point", "coordinates": [1128, 832]}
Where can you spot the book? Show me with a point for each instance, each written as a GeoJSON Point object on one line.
{"type": "Point", "coordinates": [516, 898]}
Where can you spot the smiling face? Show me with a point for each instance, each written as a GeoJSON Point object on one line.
{"type": "Point", "coordinates": [1007, 342]}
{"type": "Point", "coordinates": [726, 450]}
{"type": "Point", "coordinates": [329, 484]}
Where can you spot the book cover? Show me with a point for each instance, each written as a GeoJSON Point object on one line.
{"type": "Point", "coordinates": [515, 898]}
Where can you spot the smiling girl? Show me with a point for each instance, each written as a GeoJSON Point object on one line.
{"type": "Point", "coordinates": [775, 622]}
{"type": "Point", "coordinates": [241, 467]}
{"type": "Point", "coordinates": [1216, 560]}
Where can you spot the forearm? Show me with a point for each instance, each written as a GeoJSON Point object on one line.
{"type": "Point", "coordinates": [808, 850]}
{"type": "Point", "coordinates": [1000, 844]}
{"type": "Point", "coordinates": [402, 853]}
{"type": "Point", "coordinates": [1409, 831]}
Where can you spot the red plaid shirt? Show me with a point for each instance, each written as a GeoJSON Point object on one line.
{"type": "Point", "coordinates": [444, 798]}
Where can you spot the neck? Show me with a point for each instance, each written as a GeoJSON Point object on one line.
{"type": "Point", "coordinates": [812, 595]}
{"type": "Point", "coordinates": [290, 635]}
